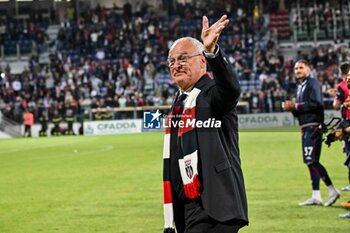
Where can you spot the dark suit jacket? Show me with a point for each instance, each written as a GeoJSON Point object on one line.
{"type": "Point", "coordinates": [223, 192]}
{"type": "Point", "coordinates": [309, 101]}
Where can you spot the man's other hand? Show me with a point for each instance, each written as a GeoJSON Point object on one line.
{"type": "Point", "coordinates": [288, 105]}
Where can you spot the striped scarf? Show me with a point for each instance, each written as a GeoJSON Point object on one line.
{"type": "Point", "coordinates": [188, 164]}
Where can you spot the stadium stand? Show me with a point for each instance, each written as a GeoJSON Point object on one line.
{"type": "Point", "coordinates": [115, 57]}
{"type": "Point", "coordinates": [280, 22]}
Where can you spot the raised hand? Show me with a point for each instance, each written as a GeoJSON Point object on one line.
{"type": "Point", "coordinates": [210, 35]}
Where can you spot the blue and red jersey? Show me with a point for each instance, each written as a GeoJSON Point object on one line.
{"type": "Point", "coordinates": [342, 95]}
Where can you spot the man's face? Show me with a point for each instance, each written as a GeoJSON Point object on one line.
{"type": "Point", "coordinates": [186, 64]}
{"type": "Point", "coordinates": [348, 80]}
{"type": "Point", "coordinates": [301, 71]}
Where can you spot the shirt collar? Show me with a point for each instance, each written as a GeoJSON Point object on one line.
{"type": "Point", "coordinates": [187, 92]}
{"type": "Point", "coordinates": [304, 82]}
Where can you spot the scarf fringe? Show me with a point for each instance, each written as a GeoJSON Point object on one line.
{"type": "Point", "coordinates": [169, 230]}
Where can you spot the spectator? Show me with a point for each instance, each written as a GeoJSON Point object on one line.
{"type": "Point", "coordinates": [28, 119]}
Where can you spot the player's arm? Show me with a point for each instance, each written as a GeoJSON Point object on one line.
{"type": "Point", "coordinates": [338, 99]}
{"type": "Point", "coordinates": [336, 104]}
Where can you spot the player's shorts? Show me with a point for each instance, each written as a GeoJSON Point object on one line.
{"type": "Point", "coordinates": [311, 147]}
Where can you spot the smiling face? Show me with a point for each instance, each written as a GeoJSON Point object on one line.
{"type": "Point", "coordinates": [301, 71]}
{"type": "Point", "coordinates": [187, 64]}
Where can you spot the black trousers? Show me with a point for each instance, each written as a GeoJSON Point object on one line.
{"type": "Point", "coordinates": [195, 220]}
{"type": "Point", "coordinates": [27, 129]}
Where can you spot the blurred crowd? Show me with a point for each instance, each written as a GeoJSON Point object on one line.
{"type": "Point", "coordinates": [108, 58]}
{"type": "Point", "coordinates": [322, 18]}
{"type": "Point", "coordinates": [29, 32]}
{"type": "Point", "coordinates": [275, 75]}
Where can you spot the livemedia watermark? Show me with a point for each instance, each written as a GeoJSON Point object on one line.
{"type": "Point", "coordinates": [157, 120]}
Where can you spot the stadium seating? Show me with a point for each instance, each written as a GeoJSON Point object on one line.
{"type": "Point", "coordinates": [105, 58]}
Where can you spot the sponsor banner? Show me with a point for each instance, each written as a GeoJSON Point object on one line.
{"type": "Point", "coordinates": [112, 127]}
{"type": "Point", "coordinates": [265, 120]}
{"type": "Point", "coordinates": [261, 120]}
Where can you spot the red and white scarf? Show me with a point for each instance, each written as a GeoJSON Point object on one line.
{"type": "Point", "coordinates": [188, 164]}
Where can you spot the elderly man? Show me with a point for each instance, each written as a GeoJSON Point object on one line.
{"type": "Point", "coordinates": [203, 181]}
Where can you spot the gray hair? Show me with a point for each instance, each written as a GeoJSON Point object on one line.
{"type": "Point", "coordinates": [196, 43]}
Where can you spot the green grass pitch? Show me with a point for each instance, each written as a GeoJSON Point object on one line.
{"type": "Point", "coordinates": [114, 184]}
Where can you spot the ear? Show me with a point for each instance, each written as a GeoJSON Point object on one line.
{"type": "Point", "coordinates": [203, 62]}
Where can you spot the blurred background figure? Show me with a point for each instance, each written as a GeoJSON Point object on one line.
{"type": "Point", "coordinates": [69, 118]}
{"type": "Point", "coordinates": [28, 119]}
{"type": "Point", "coordinates": [56, 120]}
{"type": "Point", "coordinates": [43, 122]}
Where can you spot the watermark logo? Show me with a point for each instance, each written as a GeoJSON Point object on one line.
{"type": "Point", "coordinates": [190, 122]}
{"type": "Point", "coordinates": [157, 120]}
{"type": "Point", "coordinates": [151, 120]}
